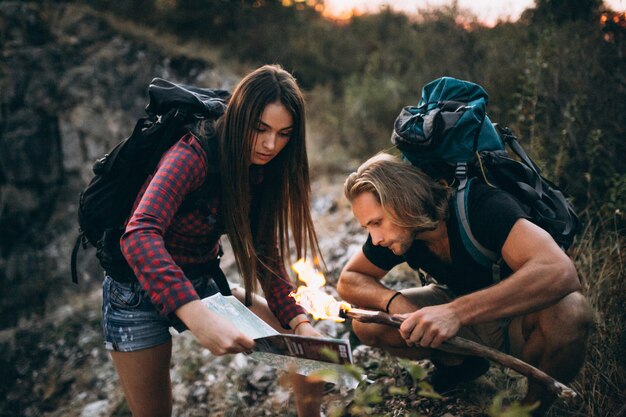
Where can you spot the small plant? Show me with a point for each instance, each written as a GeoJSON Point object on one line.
{"type": "Point", "coordinates": [498, 409]}
{"type": "Point", "coordinates": [418, 375]}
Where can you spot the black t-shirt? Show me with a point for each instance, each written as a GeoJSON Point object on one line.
{"type": "Point", "coordinates": [492, 214]}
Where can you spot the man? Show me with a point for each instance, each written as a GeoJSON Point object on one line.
{"type": "Point", "coordinates": [536, 313]}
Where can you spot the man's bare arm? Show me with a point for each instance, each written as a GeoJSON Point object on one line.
{"type": "Point", "coordinates": [359, 284]}
{"type": "Point", "coordinates": [543, 274]}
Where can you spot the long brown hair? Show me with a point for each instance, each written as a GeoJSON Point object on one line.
{"type": "Point", "coordinates": [261, 245]}
{"type": "Point", "coordinates": [410, 197]}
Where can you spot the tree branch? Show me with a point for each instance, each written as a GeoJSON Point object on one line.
{"type": "Point", "coordinates": [464, 346]}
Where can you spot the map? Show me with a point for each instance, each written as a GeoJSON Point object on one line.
{"type": "Point", "coordinates": [324, 357]}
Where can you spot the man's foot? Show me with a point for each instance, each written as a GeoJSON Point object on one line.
{"type": "Point", "coordinates": [444, 377]}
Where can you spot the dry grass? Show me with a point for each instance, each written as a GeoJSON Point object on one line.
{"type": "Point", "coordinates": [599, 257]}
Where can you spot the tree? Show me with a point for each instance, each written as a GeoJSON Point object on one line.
{"type": "Point", "coordinates": [562, 11]}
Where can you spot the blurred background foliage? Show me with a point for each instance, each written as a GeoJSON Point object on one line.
{"type": "Point", "coordinates": [556, 76]}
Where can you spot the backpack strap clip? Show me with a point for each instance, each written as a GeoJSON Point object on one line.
{"type": "Point", "coordinates": [81, 240]}
{"type": "Point", "coordinates": [218, 275]}
{"type": "Point", "coordinates": [461, 170]}
{"type": "Point", "coordinates": [181, 113]}
{"type": "Point", "coordinates": [496, 270]}
{"type": "Point", "coordinates": [460, 173]}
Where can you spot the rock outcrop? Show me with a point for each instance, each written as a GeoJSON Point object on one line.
{"type": "Point", "coordinates": [71, 87]}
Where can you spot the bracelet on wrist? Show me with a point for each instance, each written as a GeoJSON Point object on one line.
{"type": "Point", "coordinates": [390, 300]}
{"type": "Point", "coordinates": [296, 326]}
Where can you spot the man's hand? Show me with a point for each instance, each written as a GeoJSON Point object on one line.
{"type": "Point", "coordinates": [212, 330]}
{"type": "Point", "coordinates": [430, 326]}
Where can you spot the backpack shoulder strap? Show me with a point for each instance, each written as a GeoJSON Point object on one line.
{"type": "Point", "coordinates": [210, 145]}
{"type": "Point", "coordinates": [81, 240]}
{"type": "Point", "coordinates": [478, 252]}
{"type": "Point", "coordinates": [211, 183]}
{"type": "Point", "coordinates": [197, 199]}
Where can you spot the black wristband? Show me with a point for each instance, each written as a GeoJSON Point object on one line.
{"type": "Point", "coordinates": [390, 300]}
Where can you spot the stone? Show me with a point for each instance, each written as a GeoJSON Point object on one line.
{"type": "Point", "coordinates": [96, 409]}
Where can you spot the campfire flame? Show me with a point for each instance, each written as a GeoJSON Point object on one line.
{"type": "Point", "coordinates": [320, 305]}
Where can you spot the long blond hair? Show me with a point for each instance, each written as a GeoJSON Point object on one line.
{"type": "Point", "coordinates": [262, 245]}
{"type": "Point", "coordinates": [409, 196]}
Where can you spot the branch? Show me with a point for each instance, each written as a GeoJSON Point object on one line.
{"type": "Point", "coordinates": [464, 346]}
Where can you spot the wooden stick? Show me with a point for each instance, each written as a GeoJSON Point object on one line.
{"type": "Point", "coordinates": [464, 346]}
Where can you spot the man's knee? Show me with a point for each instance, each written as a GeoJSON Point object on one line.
{"type": "Point", "coordinates": [568, 321]}
{"type": "Point", "coordinates": [574, 315]}
{"type": "Point", "coordinates": [369, 334]}
{"type": "Point", "coordinates": [582, 313]}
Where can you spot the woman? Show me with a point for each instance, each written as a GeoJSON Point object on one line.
{"type": "Point", "coordinates": [264, 193]}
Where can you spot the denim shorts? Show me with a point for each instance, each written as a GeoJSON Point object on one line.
{"type": "Point", "coordinates": [130, 321]}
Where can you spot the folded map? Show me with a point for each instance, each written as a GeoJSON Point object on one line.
{"type": "Point", "coordinates": [307, 355]}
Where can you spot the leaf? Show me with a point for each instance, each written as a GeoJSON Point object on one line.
{"type": "Point", "coordinates": [330, 375]}
{"type": "Point", "coordinates": [393, 390]}
{"type": "Point", "coordinates": [329, 354]}
{"type": "Point", "coordinates": [355, 371]}
{"type": "Point", "coordinates": [359, 410]}
{"type": "Point", "coordinates": [426, 390]}
{"type": "Point", "coordinates": [371, 395]}
{"type": "Point", "coordinates": [416, 372]}
{"type": "Point", "coordinates": [496, 409]}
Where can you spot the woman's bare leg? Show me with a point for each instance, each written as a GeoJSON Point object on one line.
{"type": "Point", "coordinates": [145, 376]}
{"type": "Point", "coordinates": [308, 392]}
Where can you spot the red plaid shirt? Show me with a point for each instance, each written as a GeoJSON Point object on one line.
{"type": "Point", "coordinates": [158, 241]}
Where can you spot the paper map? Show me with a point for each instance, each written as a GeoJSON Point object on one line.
{"type": "Point", "coordinates": [285, 351]}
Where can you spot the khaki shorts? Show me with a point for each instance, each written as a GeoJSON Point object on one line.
{"type": "Point", "coordinates": [504, 335]}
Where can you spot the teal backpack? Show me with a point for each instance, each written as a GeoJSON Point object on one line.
{"type": "Point", "coordinates": [449, 135]}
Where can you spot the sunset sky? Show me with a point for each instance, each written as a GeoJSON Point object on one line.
{"type": "Point", "coordinates": [487, 10]}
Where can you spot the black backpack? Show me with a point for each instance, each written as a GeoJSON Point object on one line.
{"type": "Point", "coordinates": [449, 135]}
{"type": "Point", "coordinates": [106, 203]}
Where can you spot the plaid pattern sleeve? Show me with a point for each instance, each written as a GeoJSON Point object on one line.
{"type": "Point", "coordinates": [181, 170]}
{"type": "Point", "coordinates": [282, 305]}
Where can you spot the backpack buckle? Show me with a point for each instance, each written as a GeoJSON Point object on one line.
{"type": "Point", "coordinates": [83, 239]}
{"type": "Point", "coordinates": [461, 170]}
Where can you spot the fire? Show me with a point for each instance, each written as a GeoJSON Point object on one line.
{"type": "Point", "coordinates": [310, 296]}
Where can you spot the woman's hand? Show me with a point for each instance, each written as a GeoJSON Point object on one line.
{"type": "Point", "coordinates": [306, 329]}
{"type": "Point", "coordinates": [212, 330]}
{"type": "Point", "coordinates": [301, 325]}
